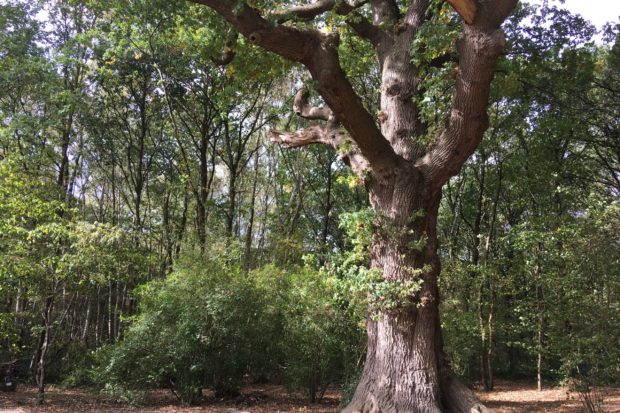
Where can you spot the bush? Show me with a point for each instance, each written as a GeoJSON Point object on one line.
{"type": "Point", "coordinates": [195, 328]}
{"type": "Point", "coordinates": [75, 365]}
{"type": "Point", "coordinates": [212, 324]}
{"type": "Point", "coordinates": [324, 339]}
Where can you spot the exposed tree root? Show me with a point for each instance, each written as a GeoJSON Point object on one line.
{"type": "Point", "coordinates": [458, 398]}
{"type": "Point", "coordinates": [455, 398]}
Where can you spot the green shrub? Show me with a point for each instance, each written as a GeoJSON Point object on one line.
{"type": "Point", "coordinates": [195, 328]}
{"type": "Point", "coordinates": [212, 324]}
{"type": "Point", "coordinates": [324, 339]}
{"type": "Point", "coordinates": [75, 366]}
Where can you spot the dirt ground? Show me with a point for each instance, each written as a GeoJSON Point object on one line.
{"type": "Point", "coordinates": [508, 397]}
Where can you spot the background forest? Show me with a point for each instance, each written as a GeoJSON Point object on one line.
{"type": "Point", "coordinates": [151, 236]}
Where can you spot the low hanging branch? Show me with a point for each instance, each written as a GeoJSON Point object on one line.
{"type": "Point", "coordinates": [309, 11]}
{"type": "Point", "coordinates": [330, 133]}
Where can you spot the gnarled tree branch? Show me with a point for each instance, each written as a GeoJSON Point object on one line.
{"type": "Point", "coordinates": [355, 20]}
{"type": "Point", "coordinates": [304, 137]}
{"type": "Point", "coordinates": [319, 53]}
{"type": "Point", "coordinates": [479, 49]}
{"type": "Point", "coordinates": [329, 133]}
{"type": "Point", "coordinates": [304, 11]}
{"type": "Point", "coordinates": [302, 108]}
{"type": "Point", "coordinates": [309, 11]}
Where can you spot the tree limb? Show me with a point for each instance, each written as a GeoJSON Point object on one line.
{"type": "Point", "coordinates": [319, 53]}
{"type": "Point", "coordinates": [290, 42]}
{"type": "Point", "coordinates": [329, 133]}
{"type": "Point", "coordinates": [309, 11]}
{"type": "Point", "coordinates": [303, 137]}
{"type": "Point", "coordinates": [355, 20]}
{"type": "Point", "coordinates": [302, 108]}
{"type": "Point", "coordinates": [304, 12]}
{"type": "Point", "coordinates": [465, 8]}
{"type": "Point", "coordinates": [479, 48]}
{"type": "Point", "coordinates": [365, 29]}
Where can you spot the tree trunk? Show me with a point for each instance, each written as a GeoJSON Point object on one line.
{"type": "Point", "coordinates": [181, 227]}
{"type": "Point", "coordinates": [202, 195]}
{"type": "Point", "coordinates": [84, 335]}
{"type": "Point", "coordinates": [490, 353]}
{"type": "Point", "coordinates": [232, 203]}
{"type": "Point", "coordinates": [326, 211]}
{"type": "Point", "coordinates": [406, 369]}
{"type": "Point", "coordinates": [539, 336]}
{"type": "Point", "coordinates": [250, 227]}
{"type": "Point", "coordinates": [42, 349]}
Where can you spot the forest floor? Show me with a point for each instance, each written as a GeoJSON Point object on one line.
{"type": "Point", "coordinates": [509, 397]}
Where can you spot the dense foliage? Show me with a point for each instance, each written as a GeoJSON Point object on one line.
{"type": "Point", "coordinates": [209, 323]}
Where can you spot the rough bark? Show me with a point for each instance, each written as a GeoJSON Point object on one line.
{"type": "Point", "coordinates": [406, 369]}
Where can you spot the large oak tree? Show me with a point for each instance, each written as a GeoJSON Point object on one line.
{"type": "Point", "coordinates": [406, 369]}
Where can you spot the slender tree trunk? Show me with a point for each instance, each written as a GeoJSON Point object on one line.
{"type": "Point", "coordinates": [482, 330]}
{"type": "Point", "coordinates": [86, 320]}
{"type": "Point", "coordinates": [43, 347]}
{"type": "Point", "coordinates": [114, 204]}
{"type": "Point", "coordinates": [327, 210]}
{"type": "Point", "coordinates": [490, 352]}
{"type": "Point", "coordinates": [250, 228]}
{"type": "Point", "coordinates": [490, 281]}
{"type": "Point", "coordinates": [203, 194]}
{"type": "Point", "coordinates": [539, 336]}
{"type": "Point", "coordinates": [182, 224]}
{"type": "Point", "coordinates": [481, 275]}
{"type": "Point", "coordinates": [120, 300]}
{"type": "Point", "coordinates": [168, 238]}
{"type": "Point", "coordinates": [110, 316]}
{"type": "Point", "coordinates": [232, 202]}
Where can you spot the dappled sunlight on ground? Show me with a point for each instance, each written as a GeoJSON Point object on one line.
{"type": "Point", "coordinates": [511, 397]}
{"type": "Point", "coordinates": [508, 397]}
{"type": "Point", "coordinates": [254, 399]}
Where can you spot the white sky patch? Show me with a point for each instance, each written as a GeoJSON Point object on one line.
{"type": "Point", "coordinates": [598, 12]}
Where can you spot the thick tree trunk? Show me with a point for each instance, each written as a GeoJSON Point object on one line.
{"type": "Point", "coordinates": [406, 369]}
